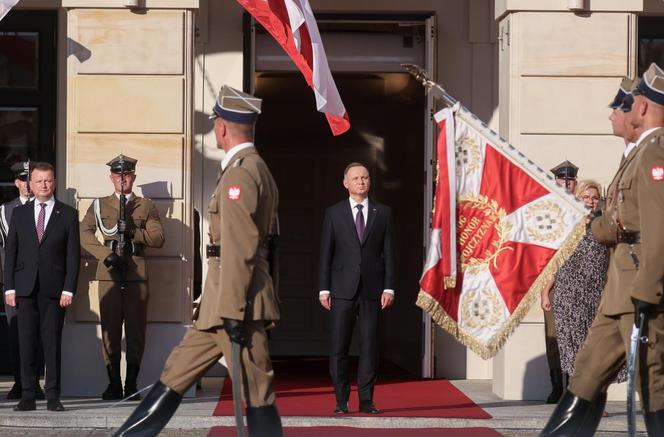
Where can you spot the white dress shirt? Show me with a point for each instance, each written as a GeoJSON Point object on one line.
{"type": "Point", "coordinates": [365, 214]}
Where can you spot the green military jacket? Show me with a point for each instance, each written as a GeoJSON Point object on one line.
{"type": "Point", "coordinates": [148, 232]}
{"type": "Point", "coordinates": [635, 203]}
{"type": "Point", "coordinates": [242, 212]}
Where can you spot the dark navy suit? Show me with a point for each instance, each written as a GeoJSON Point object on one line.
{"type": "Point", "coordinates": [356, 273]}
{"type": "Point", "coordinates": [39, 272]}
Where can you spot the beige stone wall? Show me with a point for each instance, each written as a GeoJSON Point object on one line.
{"type": "Point", "coordinates": [555, 90]}
{"type": "Point", "coordinates": [129, 91]}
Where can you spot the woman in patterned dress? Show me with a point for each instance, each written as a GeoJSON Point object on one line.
{"type": "Point", "coordinates": [577, 288]}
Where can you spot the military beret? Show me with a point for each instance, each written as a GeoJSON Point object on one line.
{"type": "Point", "coordinates": [623, 99]}
{"type": "Point", "coordinates": [21, 170]}
{"type": "Point", "coordinates": [236, 106]}
{"type": "Point", "coordinates": [651, 84]}
{"type": "Point", "coordinates": [122, 164]}
{"type": "Point", "coordinates": [565, 170]}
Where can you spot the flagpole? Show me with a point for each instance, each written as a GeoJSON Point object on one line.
{"type": "Point", "coordinates": [511, 152]}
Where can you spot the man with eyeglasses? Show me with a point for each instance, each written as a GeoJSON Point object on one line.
{"type": "Point", "coordinates": [632, 227]}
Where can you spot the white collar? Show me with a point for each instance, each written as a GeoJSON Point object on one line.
{"type": "Point", "coordinates": [49, 202]}
{"type": "Point", "coordinates": [644, 134]}
{"type": "Point", "coordinates": [127, 196]}
{"type": "Point", "coordinates": [234, 150]}
{"type": "Point", "coordinates": [364, 203]}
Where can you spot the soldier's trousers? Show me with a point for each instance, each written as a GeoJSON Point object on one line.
{"type": "Point", "coordinates": [128, 306]}
{"type": "Point", "coordinates": [199, 350]}
{"type": "Point", "coordinates": [605, 351]}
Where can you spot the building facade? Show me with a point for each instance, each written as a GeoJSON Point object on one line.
{"type": "Point", "coordinates": [139, 77]}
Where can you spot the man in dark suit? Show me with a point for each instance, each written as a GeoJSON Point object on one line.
{"type": "Point", "coordinates": [20, 170]}
{"type": "Point", "coordinates": [41, 271]}
{"type": "Point", "coordinates": [356, 281]}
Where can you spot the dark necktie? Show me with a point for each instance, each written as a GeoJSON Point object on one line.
{"type": "Point", "coordinates": [359, 222]}
{"type": "Point", "coordinates": [40, 221]}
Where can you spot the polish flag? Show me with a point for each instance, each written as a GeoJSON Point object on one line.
{"type": "Point", "coordinates": [5, 6]}
{"type": "Point", "coordinates": [293, 26]}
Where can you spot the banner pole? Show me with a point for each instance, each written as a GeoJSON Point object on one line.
{"type": "Point", "coordinates": [511, 152]}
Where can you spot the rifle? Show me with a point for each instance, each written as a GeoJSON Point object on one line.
{"type": "Point", "coordinates": [123, 242]}
{"type": "Point", "coordinates": [26, 167]}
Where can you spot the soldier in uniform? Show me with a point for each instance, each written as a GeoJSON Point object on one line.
{"type": "Point", "coordinates": [21, 170]}
{"type": "Point", "coordinates": [632, 227]}
{"type": "Point", "coordinates": [565, 176]}
{"type": "Point", "coordinates": [239, 301]}
{"type": "Point", "coordinates": [122, 273]}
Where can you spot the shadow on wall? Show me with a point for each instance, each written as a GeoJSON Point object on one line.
{"type": "Point", "coordinates": [536, 384]}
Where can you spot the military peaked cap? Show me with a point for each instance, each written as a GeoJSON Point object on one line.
{"type": "Point", "coordinates": [236, 106]}
{"type": "Point", "coordinates": [624, 99]}
{"type": "Point", "coordinates": [21, 170]}
{"type": "Point", "coordinates": [565, 170]}
{"type": "Point", "coordinates": [122, 164]}
{"type": "Point", "coordinates": [651, 84]}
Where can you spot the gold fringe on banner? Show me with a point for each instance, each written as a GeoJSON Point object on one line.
{"type": "Point", "coordinates": [489, 349]}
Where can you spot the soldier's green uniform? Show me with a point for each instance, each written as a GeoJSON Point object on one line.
{"type": "Point", "coordinates": [123, 292]}
{"type": "Point", "coordinates": [239, 298]}
{"type": "Point", "coordinates": [632, 226]}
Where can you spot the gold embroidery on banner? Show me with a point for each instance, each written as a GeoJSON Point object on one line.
{"type": "Point", "coordinates": [480, 310]}
{"type": "Point", "coordinates": [481, 224]}
{"type": "Point", "coordinates": [490, 347]}
{"type": "Point", "coordinates": [468, 155]}
{"type": "Point", "coordinates": [544, 222]}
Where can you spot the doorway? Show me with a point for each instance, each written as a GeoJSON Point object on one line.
{"type": "Point", "coordinates": [388, 116]}
{"type": "Point", "coordinates": [27, 105]}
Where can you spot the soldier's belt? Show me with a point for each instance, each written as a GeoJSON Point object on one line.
{"type": "Point", "coordinates": [137, 249]}
{"type": "Point", "coordinates": [629, 237]}
{"type": "Point", "coordinates": [212, 250]}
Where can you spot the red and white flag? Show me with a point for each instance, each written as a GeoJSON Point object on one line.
{"type": "Point", "coordinates": [500, 229]}
{"type": "Point", "coordinates": [5, 6]}
{"type": "Point", "coordinates": [293, 26]}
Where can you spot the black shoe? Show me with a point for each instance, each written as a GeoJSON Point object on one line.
{"type": "Point", "coordinates": [568, 417]}
{"type": "Point", "coordinates": [369, 409]}
{"type": "Point", "coordinates": [655, 422]}
{"type": "Point", "coordinates": [153, 413]}
{"type": "Point", "coordinates": [264, 421]}
{"type": "Point", "coordinates": [16, 392]}
{"type": "Point", "coordinates": [26, 405]}
{"type": "Point", "coordinates": [556, 386]}
{"type": "Point", "coordinates": [114, 390]}
{"type": "Point", "coordinates": [341, 408]}
{"type": "Point", "coordinates": [54, 405]}
{"type": "Point", "coordinates": [130, 383]}
{"type": "Point", "coordinates": [39, 393]}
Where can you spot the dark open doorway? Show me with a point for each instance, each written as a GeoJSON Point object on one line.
{"type": "Point", "coordinates": [387, 113]}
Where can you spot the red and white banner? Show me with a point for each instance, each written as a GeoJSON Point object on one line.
{"type": "Point", "coordinates": [500, 230]}
{"type": "Point", "coordinates": [5, 6]}
{"type": "Point", "coordinates": [293, 25]}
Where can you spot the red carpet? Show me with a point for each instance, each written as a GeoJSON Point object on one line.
{"type": "Point", "coordinates": [303, 389]}
{"type": "Point", "coordinates": [336, 431]}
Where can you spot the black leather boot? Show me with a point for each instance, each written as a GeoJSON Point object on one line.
{"type": "Point", "coordinates": [152, 414]}
{"type": "Point", "coordinates": [130, 382]}
{"type": "Point", "coordinates": [655, 423]}
{"type": "Point", "coordinates": [114, 390]}
{"type": "Point", "coordinates": [557, 386]}
{"type": "Point", "coordinates": [264, 421]}
{"type": "Point", "coordinates": [593, 416]}
{"type": "Point", "coordinates": [568, 417]}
